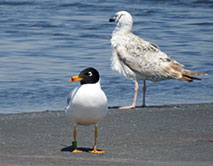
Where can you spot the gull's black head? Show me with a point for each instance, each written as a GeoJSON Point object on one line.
{"type": "Point", "coordinates": [87, 76]}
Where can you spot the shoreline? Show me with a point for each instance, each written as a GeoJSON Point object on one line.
{"type": "Point", "coordinates": [111, 107]}
{"type": "Point", "coordinates": [179, 134]}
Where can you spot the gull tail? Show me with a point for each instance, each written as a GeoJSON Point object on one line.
{"type": "Point", "coordinates": [176, 71]}
{"type": "Point", "coordinates": [188, 75]}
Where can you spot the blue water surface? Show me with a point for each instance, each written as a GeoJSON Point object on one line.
{"type": "Point", "coordinates": [45, 42]}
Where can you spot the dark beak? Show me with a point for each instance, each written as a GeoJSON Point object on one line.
{"type": "Point", "coordinates": [111, 20]}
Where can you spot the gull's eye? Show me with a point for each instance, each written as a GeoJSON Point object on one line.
{"type": "Point", "coordinates": [89, 73]}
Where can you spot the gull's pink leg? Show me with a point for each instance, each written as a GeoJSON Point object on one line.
{"type": "Point", "coordinates": [134, 99]}
{"type": "Point", "coordinates": [144, 93]}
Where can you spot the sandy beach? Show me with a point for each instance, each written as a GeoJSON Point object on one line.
{"type": "Point", "coordinates": [156, 135]}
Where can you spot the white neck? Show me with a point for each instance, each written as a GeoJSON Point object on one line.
{"type": "Point", "coordinates": [122, 29]}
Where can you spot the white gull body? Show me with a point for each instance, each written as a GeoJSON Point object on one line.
{"type": "Point", "coordinates": [138, 59]}
{"type": "Point", "coordinates": [87, 104]}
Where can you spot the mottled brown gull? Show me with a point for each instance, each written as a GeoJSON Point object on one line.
{"type": "Point", "coordinates": [138, 59]}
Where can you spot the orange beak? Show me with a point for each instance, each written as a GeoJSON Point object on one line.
{"type": "Point", "coordinates": [75, 78]}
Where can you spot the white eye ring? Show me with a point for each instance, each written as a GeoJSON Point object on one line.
{"type": "Point", "coordinates": [90, 73]}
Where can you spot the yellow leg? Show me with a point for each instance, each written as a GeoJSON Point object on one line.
{"type": "Point", "coordinates": [74, 143]}
{"type": "Point", "coordinates": [74, 133]}
{"type": "Point", "coordinates": [95, 144]}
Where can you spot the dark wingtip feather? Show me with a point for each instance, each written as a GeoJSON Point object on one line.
{"type": "Point", "coordinates": [190, 78]}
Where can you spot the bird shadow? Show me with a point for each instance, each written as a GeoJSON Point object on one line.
{"type": "Point", "coordinates": [117, 107]}
{"type": "Point", "coordinates": [150, 106]}
{"type": "Point", "coordinates": [71, 148]}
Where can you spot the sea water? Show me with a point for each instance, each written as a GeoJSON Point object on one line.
{"type": "Point", "coordinates": [45, 42]}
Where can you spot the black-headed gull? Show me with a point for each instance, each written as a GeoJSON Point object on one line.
{"type": "Point", "coordinates": [87, 104]}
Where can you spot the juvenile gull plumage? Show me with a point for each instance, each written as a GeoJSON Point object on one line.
{"type": "Point", "coordinates": [87, 104]}
{"type": "Point", "coordinates": [138, 59]}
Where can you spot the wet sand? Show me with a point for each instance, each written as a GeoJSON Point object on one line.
{"type": "Point", "coordinates": [156, 135]}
